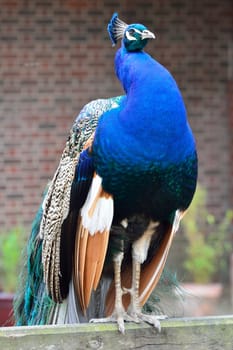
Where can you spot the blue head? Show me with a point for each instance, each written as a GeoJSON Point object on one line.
{"type": "Point", "coordinates": [134, 36]}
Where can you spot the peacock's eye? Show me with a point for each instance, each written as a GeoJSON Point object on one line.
{"type": "Point", "coordinates": [131, 31]}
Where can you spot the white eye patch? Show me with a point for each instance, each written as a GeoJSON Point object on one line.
{"type": "Point", "coordinates": [129, 36]}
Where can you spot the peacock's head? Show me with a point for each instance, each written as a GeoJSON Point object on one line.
{"type": "Point", "coordinates": [135, 36]}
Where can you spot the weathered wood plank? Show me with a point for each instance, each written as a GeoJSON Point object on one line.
{"type": "Point", "coordinates": [215, 333]}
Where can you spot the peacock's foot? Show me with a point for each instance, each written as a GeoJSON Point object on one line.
{"type": "Point", "coordinates": [117, 317]}
{"type": "Point", "coordinates": [154, 320]}
{"type": "Point", "coordinates": [121, 317]}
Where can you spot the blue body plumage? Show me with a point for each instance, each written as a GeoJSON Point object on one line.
{"type": "Point", "coordinates": [127, 175]}
{"type": "Point", "coordinates": [149, 138]}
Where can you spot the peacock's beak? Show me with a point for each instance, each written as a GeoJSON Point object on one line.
{"type": "Point", "coordinates": [146, 34]}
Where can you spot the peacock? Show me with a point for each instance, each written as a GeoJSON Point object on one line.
{"type": "Point", "coordinates": [128, 172]}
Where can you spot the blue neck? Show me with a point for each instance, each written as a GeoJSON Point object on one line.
{"type": "Point", "coordinates": [154, 107]}
{"type": "Point", "coordinates": [151, 121]}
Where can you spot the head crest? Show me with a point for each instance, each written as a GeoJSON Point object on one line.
{"type": "Point", "coordinates": [116, 28]}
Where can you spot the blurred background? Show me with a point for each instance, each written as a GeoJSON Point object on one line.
{"type": "Point", "coordinates": [55, 57]}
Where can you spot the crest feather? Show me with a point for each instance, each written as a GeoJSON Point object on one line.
{"type": "Point", "coordinates": [116, 28]}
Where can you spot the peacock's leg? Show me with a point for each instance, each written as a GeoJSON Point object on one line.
{"type": "Point", "coordinates": [134, 306]}
{"type": "Point", "coordinates": [135, 310]}
{"type": "Point", "coordinates": [139, 254]}
{"type": "Point", "coordinates": [119, 315]}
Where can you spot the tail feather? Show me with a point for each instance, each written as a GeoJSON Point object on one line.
{"type": "Point", "coordinates": [70, 311]}
{"type": "Point", "coordinates": [32, 304]}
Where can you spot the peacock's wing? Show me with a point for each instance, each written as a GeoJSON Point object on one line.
{"type": "Point", "coordinates": [65, 197]}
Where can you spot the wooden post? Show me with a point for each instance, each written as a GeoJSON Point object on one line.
{"type": "Point", "coordinates": [215, 333]}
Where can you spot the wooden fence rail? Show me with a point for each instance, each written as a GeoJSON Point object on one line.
{"type": "Point", "coordinates": [215, 333]}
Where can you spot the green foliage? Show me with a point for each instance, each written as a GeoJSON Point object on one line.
{"type": "Point", "coordinates": [11, 245]}
{"type": "Point", "coordinates": [207, 241]}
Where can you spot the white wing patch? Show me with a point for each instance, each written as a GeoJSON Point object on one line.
{"type": "Point", "coordinates": [97, 211]}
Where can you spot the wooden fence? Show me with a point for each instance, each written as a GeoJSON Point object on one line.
{"type": "Point", "coordinates": [215, 333]}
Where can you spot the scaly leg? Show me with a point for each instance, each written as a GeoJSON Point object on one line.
{"type": "Point", "coordinates": [119, 315]}
{"type": "Point", "coordinates": [139, 254]}
{"type": "Point", "coordinates": [134, 307]}
{"type": "Point", "coordinates": [134, 310]}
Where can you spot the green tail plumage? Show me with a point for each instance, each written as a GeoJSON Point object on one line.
{"type": "Point", "coordinates": [32, 304]}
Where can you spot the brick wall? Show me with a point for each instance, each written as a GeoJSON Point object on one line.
{"type": "Point", "coordinates": [56, 56]}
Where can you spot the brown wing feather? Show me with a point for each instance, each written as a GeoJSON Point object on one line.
{"type": "Point", "coordinates": [95, 256]}
{"type": "Point", "coordinates": [90, 251]}
{"type": "Point", "coordinates": [151, 273]}
{"type": "Point", "coordinates": [91, 247]}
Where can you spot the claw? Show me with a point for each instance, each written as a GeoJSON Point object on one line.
{"type": "Point", "coordinates": [121, 325]}
{"type": "Point", "coordinates": [136, 317]}
{"type": "Point", "coordinates": [118, 318]}
{"type": "Point", "coordinates": [151, 319]}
